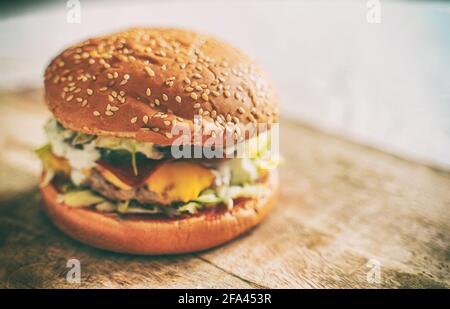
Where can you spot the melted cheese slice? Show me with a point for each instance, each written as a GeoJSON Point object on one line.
{"type": "Point", "coordinates": [179, 180]}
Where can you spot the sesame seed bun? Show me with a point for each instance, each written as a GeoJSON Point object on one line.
{"type": "Point", "coordinates": [152, 237]}
{"type": "Point", "coordinates": [140, 82]}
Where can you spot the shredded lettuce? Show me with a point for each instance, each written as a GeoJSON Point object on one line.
{"type": "Point", "coordinates": [191, 207]}
{"type": "Point", "coordinates": [122, 207]}
{"type": "Point", "coordinates": [83, 150]}
{"type": "Point", "coordinates": [82, 198]}
{"type": "Point", "coordinates": [79, 158]}
{"type": "Point", "coordinates": [106, 206]}
{"type": "Point", "coordinates": [116, 143]}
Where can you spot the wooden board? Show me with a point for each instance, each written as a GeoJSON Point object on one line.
{"type": "Point", "coordinates": [341, 205]}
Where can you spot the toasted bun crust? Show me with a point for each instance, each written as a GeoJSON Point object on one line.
{"type": "Point", "coordinates": [138, 83]}
{"type": "Point", "coordinates": [152, 237]}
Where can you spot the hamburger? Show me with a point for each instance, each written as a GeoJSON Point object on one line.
{"type": "Point", "coordinates": [149, 148]}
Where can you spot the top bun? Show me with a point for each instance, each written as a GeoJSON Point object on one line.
{"type": "Point", "coordinates": [140, 82]}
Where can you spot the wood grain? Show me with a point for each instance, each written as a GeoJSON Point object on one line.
{"type": "Point", "coordinates": [340, 206]}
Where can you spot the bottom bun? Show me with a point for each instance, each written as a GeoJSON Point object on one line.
{"type": "Point", "coordinates": [158, 236]}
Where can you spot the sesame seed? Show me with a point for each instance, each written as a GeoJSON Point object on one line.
{"type": "Point", "coordinates": [189, 89]}
{"type": "Point", "coordinates": [227, 94]}
{"type": "Point", "coordinates": [241, 110]}
{"type": "Point", "coordinates": [89, 91]}
{"type": "Point", "coordinates": [168, 135]}
{"type": "Point", "coordinates": [96, 113]}
{"type": "Point", "coordinates": [205, 97]}
{"type": "Point", "coordinates": [69, 98]}
{"type": "Point", "coordinates": [103, 88]}
{"type": "Point", "coordinates": [187, 80]}
{"type": "Point", "coordinates": [178, 99]}
{"type": "Point", "coordinates": [164, 67]}
{"type": "Point", "coordinates": [133, 120]}
{"type": "Point", "coordinates": [148, 92]}
{"type": "Point", "coordinates": [126, 77]}
{"type": "Point", "coordinates": [84, 103]}
{"type": "Point", "coordinates": [123, 82]}
{"type": "Point", "coordinates": [114, 108]}
{"type": "Point", "coordinates": [216, 93]}
{"type": "Point", "coordinates": [157, 102]}
{"type": "Point", "coordinates": [155, 129]}
{"type": "Point", "coordinates": [110, 98]}
{"type": "Point", "coordinates": [167, 122]}
{"type": "Point", "coordinates": [197, 75]}
{"type": "Point", "coordinates": [165, 97]}
{"type": "Point", "coordinates": [109, 113]}
{"type": "Point", "coordinates": [149, 71]}
{"type": "Point", "coordinates": [196, 105]}
{"type": "Point", "coordinates": [145, 119]}
{"type": "Point", "coordinates": [194, 96]}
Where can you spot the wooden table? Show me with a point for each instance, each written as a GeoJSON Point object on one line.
{"type": "Point", "coordinates": [344, 209]}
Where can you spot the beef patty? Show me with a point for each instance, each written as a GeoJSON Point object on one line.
{"type": "Point", "coordinates": [98, 183]}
